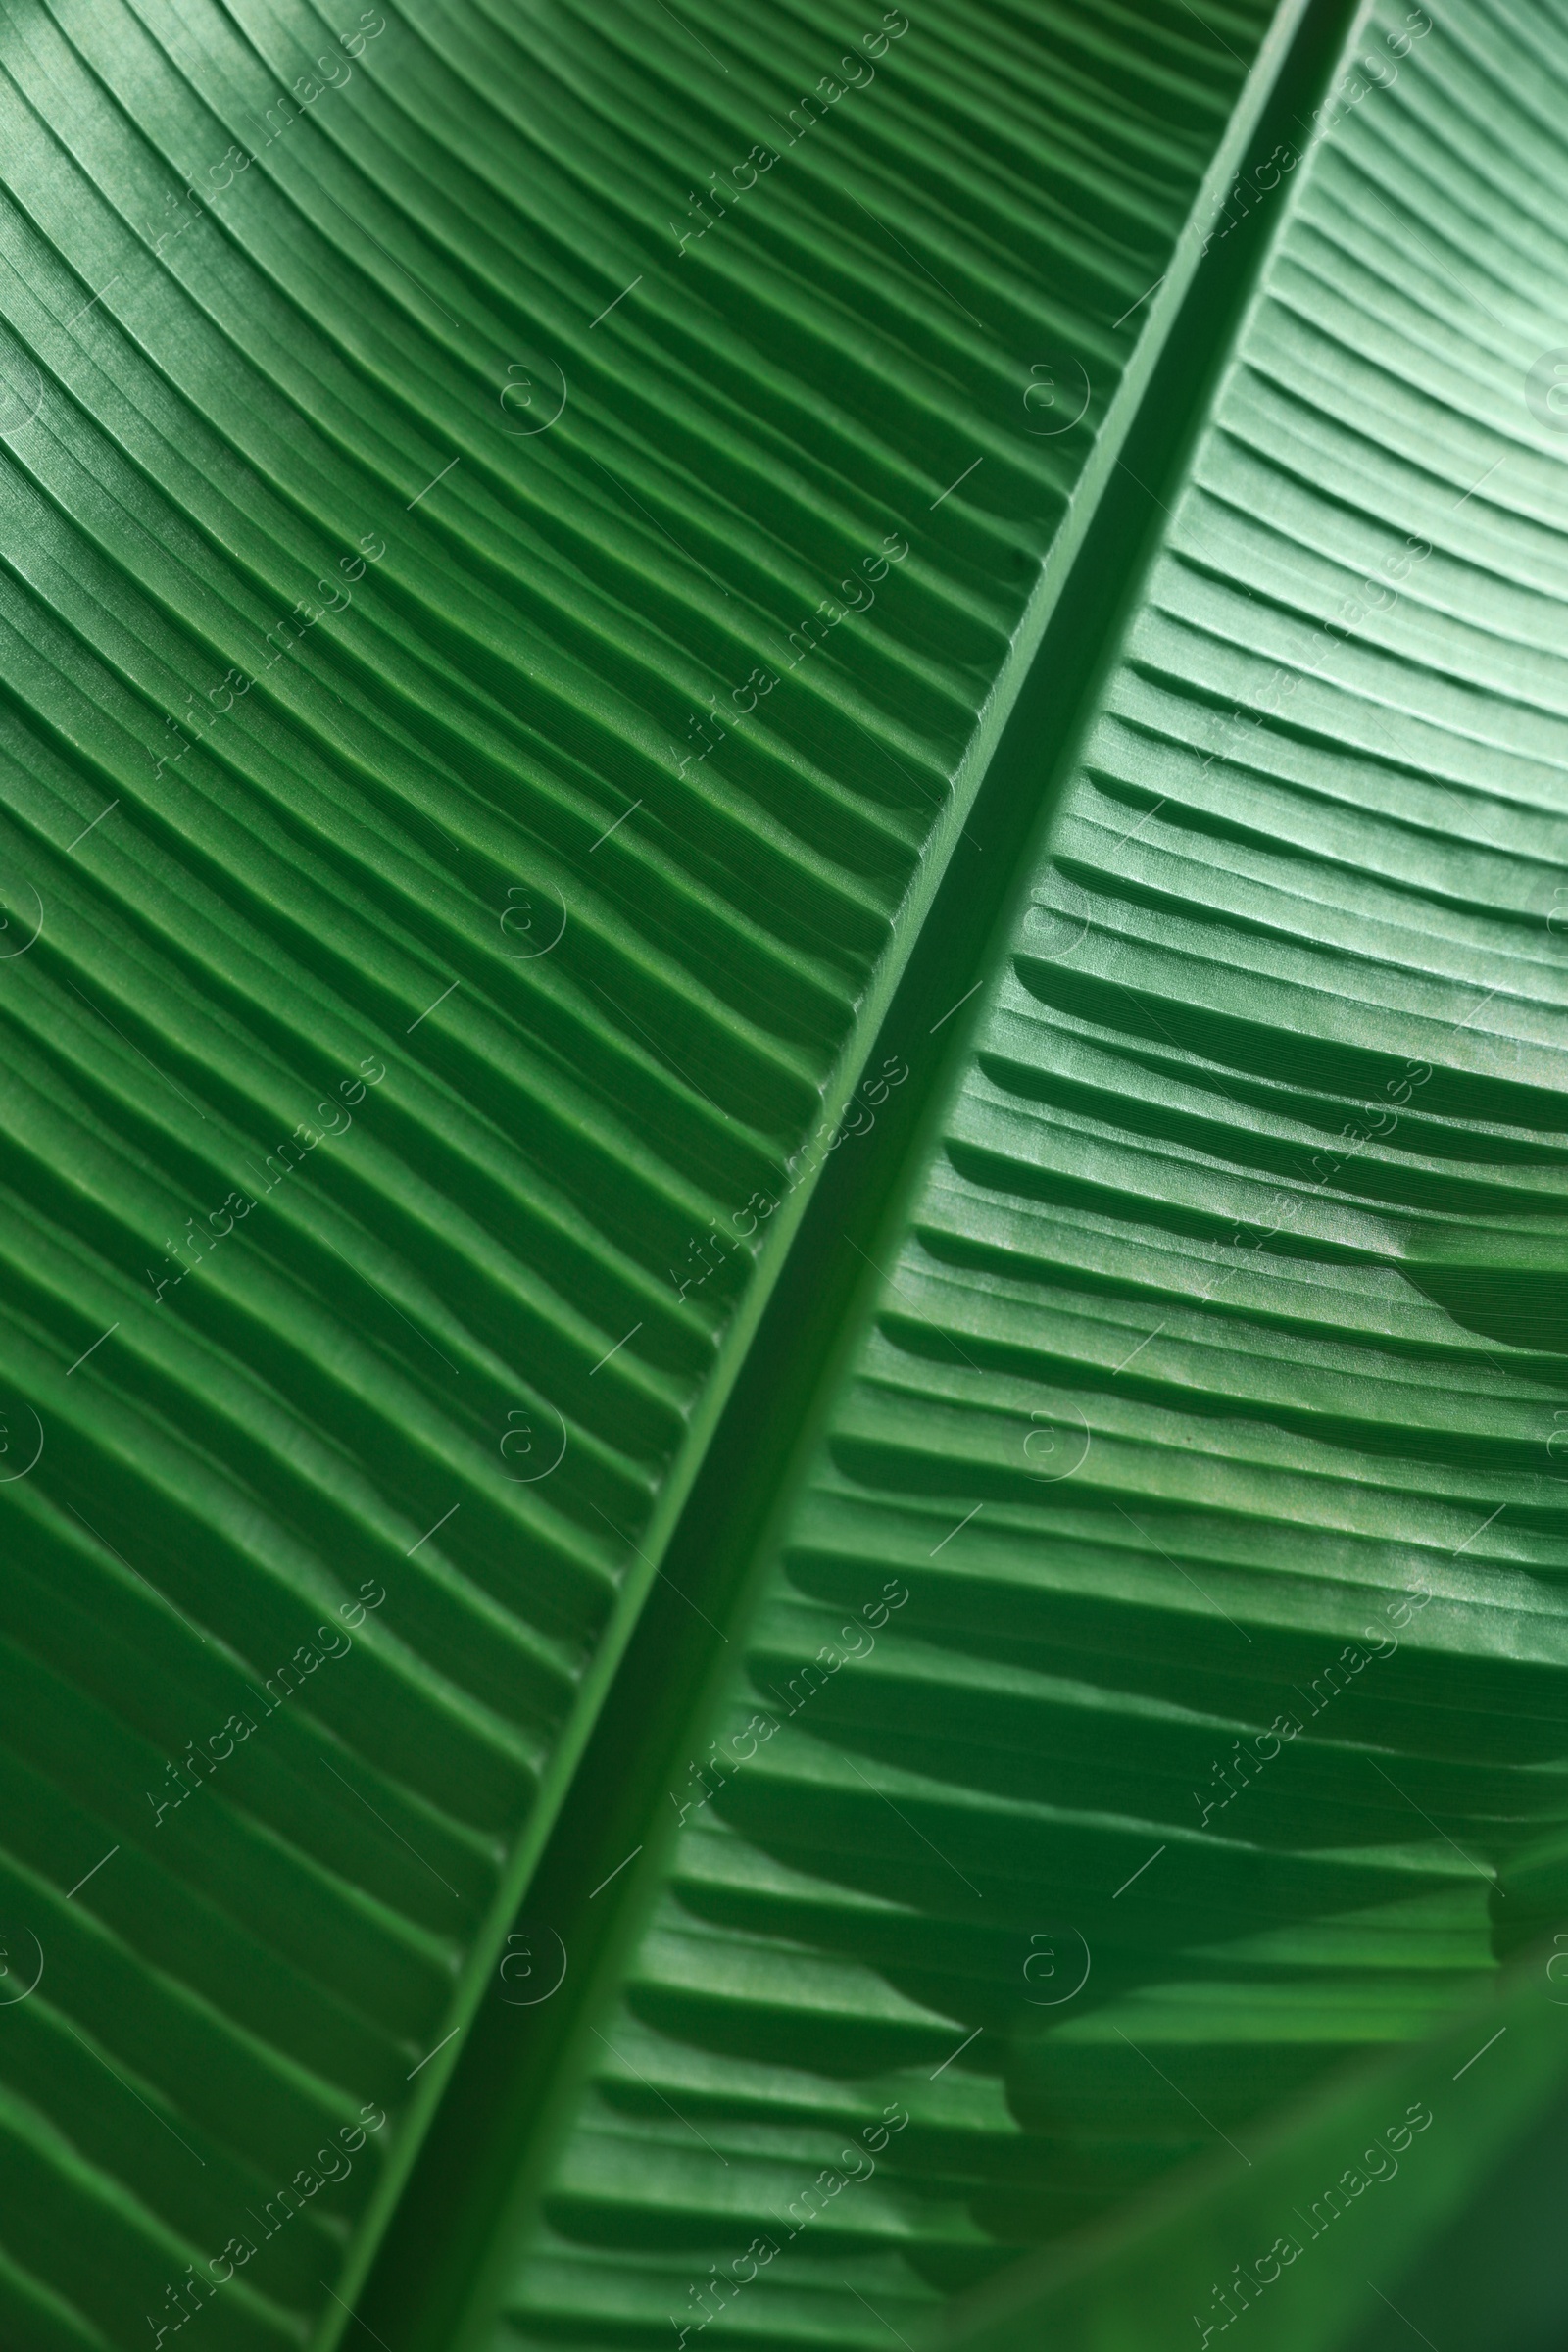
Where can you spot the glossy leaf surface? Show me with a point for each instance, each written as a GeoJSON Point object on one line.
{"type": "Point", "coordinates": [526, 532]}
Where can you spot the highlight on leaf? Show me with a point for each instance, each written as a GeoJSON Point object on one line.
{"type": "Point", "coordinates": [782, 1401]}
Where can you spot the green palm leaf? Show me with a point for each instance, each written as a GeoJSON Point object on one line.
{"type": "Point", "coordinates": [1363, 2177]}
{"type": "Point", "coordinates": [697, 885]}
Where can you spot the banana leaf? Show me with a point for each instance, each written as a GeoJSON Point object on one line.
{"type": "Point", "coordinates": [779, 841]}
{"type": "Point", "coordinates": [1202, 2252]}
{"type": "Point", "coordinates": [1152, 1652]}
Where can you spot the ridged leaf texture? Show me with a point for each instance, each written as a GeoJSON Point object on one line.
{"type": "Point", "coordinates": [529, 534]}
{"type": "Point", "coordinates": [1174, 1584]}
